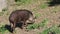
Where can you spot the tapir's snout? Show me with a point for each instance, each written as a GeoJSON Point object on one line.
{"type": "Point", "coordinates": [31, 20]}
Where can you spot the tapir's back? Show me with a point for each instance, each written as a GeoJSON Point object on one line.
{"type": "Point", "coordinates": [20, 15]}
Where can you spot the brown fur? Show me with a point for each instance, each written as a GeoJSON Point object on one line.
{"type": "Point", "coordinates": [19, 16]}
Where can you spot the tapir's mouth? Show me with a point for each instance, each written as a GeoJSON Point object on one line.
{"type": "Point", "coordinates": [30, 21]}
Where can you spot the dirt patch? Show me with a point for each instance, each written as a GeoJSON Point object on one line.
{"type": "Point", "coordinates": [52, 13]}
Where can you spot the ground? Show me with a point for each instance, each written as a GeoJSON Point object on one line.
{"type": "Point", "coordinates": [40, 9]}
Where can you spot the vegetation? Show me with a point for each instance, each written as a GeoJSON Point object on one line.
{"type": "Point", "coordinates": [3, 29]}
{"type": "Point", "coordinates": [20, 2]}
{"type": "Point", "coordinates": [37, 15]}
{"type": "Point", "coordinates": [43, 6]}
{"type": "Point", "coordinates": [53, 29]}
{"type": "Point", "coordinates": [3, 11]}
{"type": "Point", "coordinates": [36, 26]}
{"type": "Point", "coordinates": [37, 6]}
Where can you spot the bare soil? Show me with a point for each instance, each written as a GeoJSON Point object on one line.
{"type": "Point", "coordinates": [48, 12]}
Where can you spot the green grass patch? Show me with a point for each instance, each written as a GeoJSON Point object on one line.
{"type": "Point", "coordinates": [3, 11]}
{"type": "Point", "coordinates": [43, 6]}
{"type": "Point", "coordinates": [37, 15]}
{"type": "Point", "coordinates": [44, 22]}
{"type": "Point", "coordinates": [3, 29]}
{"type": "Point", "coordinates": [37, 25]}
{"type": "Point", "coordinates": [53, 29]}
{"type": "Point", "coordinates": [20, 2]}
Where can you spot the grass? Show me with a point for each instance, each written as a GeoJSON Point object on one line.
{"type": "Point", "coordinates": [3, 11]}
{"type": "Point", "coordinates": [55, 10]}
{"type": "Point", "coordinates": [37, 15]}
{"type": "Point", "coordinates": [43, 6]}
{"type": "Point", "coordinates": [36, 26]}
{"type": "Point", "coordinates": [3, 29]}
{"type": "Point", "coordinates": [44, 22]}
{"type": "Point", "coordinates": [53, 29]}
{"type": "Point", "coordinates": [18, 2]}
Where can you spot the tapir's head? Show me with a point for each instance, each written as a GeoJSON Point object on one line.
{"type": "Point", "coordinates": [31, 19]}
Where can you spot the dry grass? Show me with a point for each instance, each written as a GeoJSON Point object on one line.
{"type": "Point", "coordinates": [41, 10]}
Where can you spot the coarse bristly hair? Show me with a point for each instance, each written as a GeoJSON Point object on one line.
{"type": "Point", "coordinates": [20, 16]}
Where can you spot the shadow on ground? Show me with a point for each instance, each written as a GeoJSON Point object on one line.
{"type": "Point", "coordinates": [54, 2]}
{"type": "Point", "coordinates": [8, 27]}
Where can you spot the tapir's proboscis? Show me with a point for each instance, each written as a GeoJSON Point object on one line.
{"type": "Point", "coordinates": [21, 16]}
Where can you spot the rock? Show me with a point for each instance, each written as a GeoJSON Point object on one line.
{"type": "Point", "coordinates": [3, 4]}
